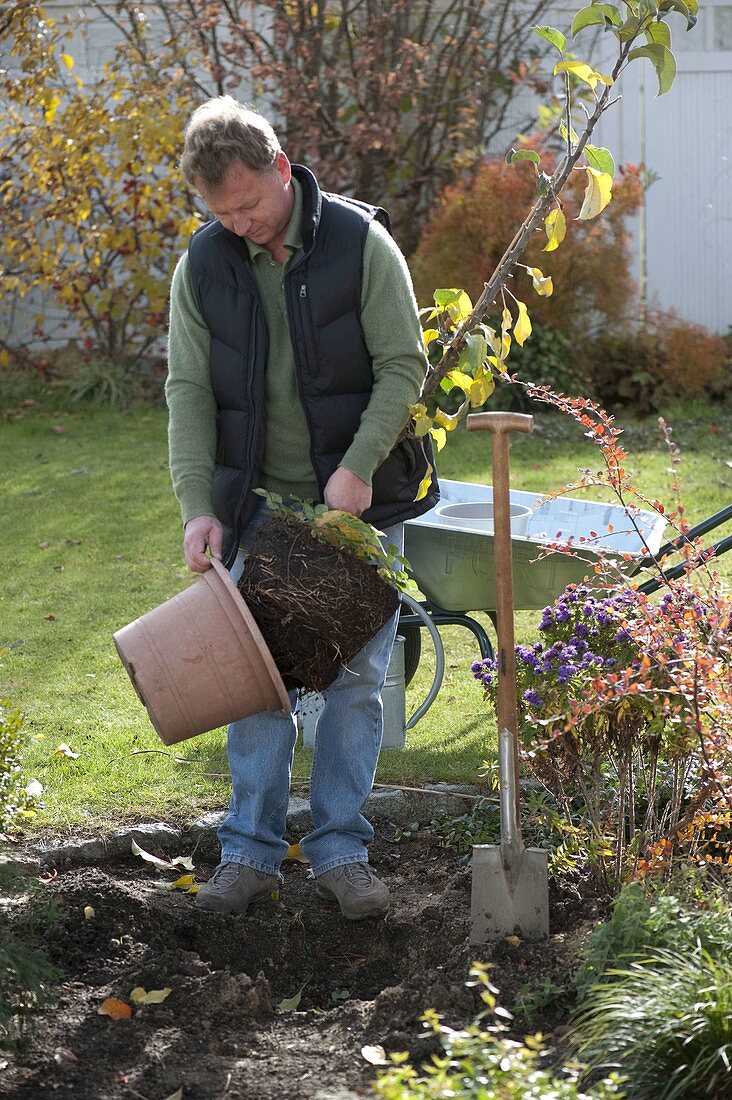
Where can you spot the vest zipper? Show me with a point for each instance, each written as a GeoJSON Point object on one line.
{"type": "Point", "coordinates": [296, 303]}
{"type": "Point", "coordinates": [253, 436]}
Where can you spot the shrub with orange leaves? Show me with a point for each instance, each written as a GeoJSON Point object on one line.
{"type": "Point", "coordinates": [627, 700]}
{"type": "Point", "coordinates": [471, 222]}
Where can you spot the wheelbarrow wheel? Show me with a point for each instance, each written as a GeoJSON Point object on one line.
{"type": "Point", "coordinates": [412, 650]}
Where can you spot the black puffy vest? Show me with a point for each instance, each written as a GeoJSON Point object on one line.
{"type": "Point", "coordinates": [334, 371]}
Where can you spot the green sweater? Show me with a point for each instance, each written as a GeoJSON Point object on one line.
{"type": "Point", "coordinates": [393, 337]}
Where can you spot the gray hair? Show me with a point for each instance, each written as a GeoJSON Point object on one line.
{"type": "Point", "coordinates": [221, 132]}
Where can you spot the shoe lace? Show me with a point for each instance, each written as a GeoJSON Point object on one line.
{"type": "Point", "coordinates": [359, 874]}
{"type": "Point", "coordinates": [226, 874]}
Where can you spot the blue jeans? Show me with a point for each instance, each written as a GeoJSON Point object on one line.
{"type": "Point", "coordinates": [260, 751]}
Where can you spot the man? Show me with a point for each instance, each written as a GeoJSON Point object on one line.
{"type": "Point", "coordinates": [295, 349]}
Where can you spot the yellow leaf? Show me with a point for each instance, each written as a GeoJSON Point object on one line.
{"type": "Point", "coordinates": [515, 941]}
{"type": "Point", "coordinates": [67, 60]}
{"type": "Point", "coordinates": [424, 484]}
{"type": "Point", "coordinates": [183, 882]}
{"type": "Point", "coordinates": [295, 852]}
{"type": "Point", "coordinates": [429, 335]}
{"type": "Point", "coordinates": [598, 193]}
{"type": "Point", "coordinates": [522, 328]}
{"type": "Point", "coordinates": [583, 72]}
{"type": "Point", "coordinates": [118, 1010]}
{"type": "Point", "coordinates": [89, 912]}
{"type": "Point", "coordinates": [448, 421]}
{"type": "Point", "coordinates": [555, 225]}
{"type": "Point", "coordinates": [139, 996]}
{"type": "Point", "coordinates": [543, 284]}
{"type": "Point", "coordinates": [440, 437]}
{"type": "Point", "coordinates": [458, 378]}
{"type": "Point", "coordinates": [483, 386]}
{"type": "Point", "coordinates": [50, 112]}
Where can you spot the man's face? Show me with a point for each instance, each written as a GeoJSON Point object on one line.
{"type": "Point", "coordinates": [254, 204]}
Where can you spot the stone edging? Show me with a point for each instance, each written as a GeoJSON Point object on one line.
{"type": "Point", "coordinates": [396, 807]}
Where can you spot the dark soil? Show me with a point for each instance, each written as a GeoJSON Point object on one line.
{"type": "Point", "coordinates": [221, 1032]}
{"type": "Point", "coordinates": [316, 605]}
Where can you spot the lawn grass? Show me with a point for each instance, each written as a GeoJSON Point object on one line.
{"type": "Point", "coordinates": [92, 539]}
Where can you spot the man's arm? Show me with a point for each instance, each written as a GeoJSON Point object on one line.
{"type": "Point", "coordinates": [393, 336]}
{"type": "Point", "coordinates": [192, 422]}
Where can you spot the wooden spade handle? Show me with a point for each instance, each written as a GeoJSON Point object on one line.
{"type": "Point", "coordinates": [500, 424]}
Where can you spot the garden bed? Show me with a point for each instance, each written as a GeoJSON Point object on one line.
{"type": "Point", "coordinates": [223, 1031]}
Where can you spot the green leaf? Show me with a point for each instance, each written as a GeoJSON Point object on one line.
{"type": "Point", "coordinates": [289, 1004]}
{"type": "Point", "coordinates": [663, 62]}
{"type": "Point", "coordinates": [551, 34]}
{"type": "Point", "coordinates": [599, 158]}
{"type": "Point", "coordinates": [595, 15]}
{"type": "Point", "coordinates": [522, 154]}
{"type": "Point", "coordinates": [543, 183]}
{"type": "Point", "coordinates": [454, 302]}
{"type": "Point", "coordinates": [473, 354]}
{"type": "Point", "coordinates": [659, 32]}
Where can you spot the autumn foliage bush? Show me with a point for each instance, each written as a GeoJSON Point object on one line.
{"type": "Point", "coordinates": [473, 222]}
{"type": "Point", "coordinates": [645, 366]}
{"type": "Point", "coordinates": [94, 210]}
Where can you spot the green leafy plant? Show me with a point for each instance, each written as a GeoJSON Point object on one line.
{"type": "Point", "coordinates": [645, 917]}
{"type": "Point", "coordinates": [666, 1019]}
{"type": "Point", "coordinates": [16, 796]}
{"type": "Point", "coordinates": [532, 1001]}
{"type": "Point", "coordinates": [480, 1062]}
{"type": "Point", "coordinates": [347, 532]}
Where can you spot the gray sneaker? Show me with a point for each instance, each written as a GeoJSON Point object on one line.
{"type": "Point", "coordinates": [357, 890]}
{"type": "Point", "coordinates": [233, 888]}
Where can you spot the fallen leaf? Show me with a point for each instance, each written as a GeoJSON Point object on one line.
{"type": "Point", "coordinates": [183, 861]}
{"type": "Point", "coordinates": [515, 941]}
{"type": "Point", "coordinates": [295, 852]}
{"type": "Point", "coordinates": [289, 1004]}
{"type": "Point", "coordinates": [33, 788]}
{"type": "Point", "coordinates": [73, 542]}
{"type": "Point", "coordinates": [89, 912]}
{"type": "Point", "coordinates": [50, 618]}
{"type": "Point", "coordinates": [118, 1010]}
{"type": "Point", "coordinates": [169, 864]}
{"type": "Point", "coordinates": [64, 750]}
{"type": "Point", "coordinates": [44, 545]}
{"type": "Point", "coordinates": [140, 996]}
{"type": "Point", "coordinates": [177, 1095]}
{"type": "Point", "coordinates": [376, 1055]}
{"type": "Point", "coordinates": [60, 430]}
{"type": "Point", "coordinates": [340, 994]}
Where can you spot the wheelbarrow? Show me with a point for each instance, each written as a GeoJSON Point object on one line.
{"type": "Point", "coordinates": [453, 558]}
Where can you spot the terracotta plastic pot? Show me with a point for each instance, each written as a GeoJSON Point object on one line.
{"type": "Point", "coordinates": [199, 661]}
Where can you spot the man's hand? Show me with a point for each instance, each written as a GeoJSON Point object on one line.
{"type": "Point", "coordinates": [347, 492]}
{"type": "Point", "coordinates": [202, 532]}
